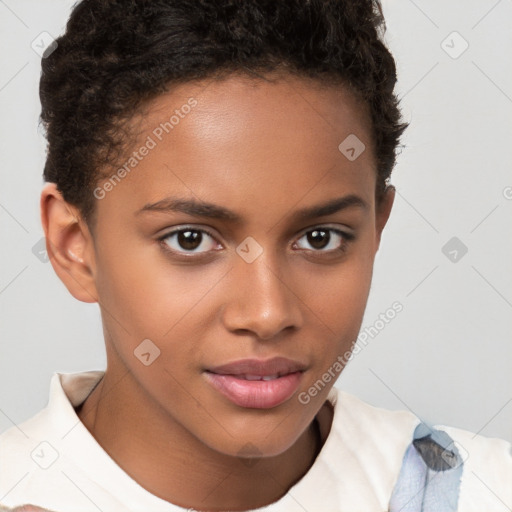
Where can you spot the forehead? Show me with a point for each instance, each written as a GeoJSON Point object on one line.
{"type": "Point", "coordinates": [229, 106]}
{"type": "Point", "coordinates": [242, 141]}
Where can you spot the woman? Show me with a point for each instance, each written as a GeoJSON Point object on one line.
{"type": "Point", "coordinates": [218, 181]}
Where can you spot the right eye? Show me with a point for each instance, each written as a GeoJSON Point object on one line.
{"type": "Point", "coordinates": [188, 240]}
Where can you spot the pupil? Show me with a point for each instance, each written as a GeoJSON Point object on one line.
{"type": "Point", "coordinates": [189, 239]}
{"type": "Point", "coordinates": [315, 238]}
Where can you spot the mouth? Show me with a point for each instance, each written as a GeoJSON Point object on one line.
{"type": "Point", "coordinates": [257, 384]}
{"type": "Point", "coordinates": [258, 377]}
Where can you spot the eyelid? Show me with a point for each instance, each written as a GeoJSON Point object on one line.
{"type": "Point", "coordinates": [345, 231]}
{"type": "Point", "coordinates": [184, 227]}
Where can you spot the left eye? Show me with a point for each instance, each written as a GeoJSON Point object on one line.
{"type": "Point", "coordinates": [322, 241]}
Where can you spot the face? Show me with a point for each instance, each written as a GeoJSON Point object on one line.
{"type": "Point", "coordinates": [239, 244]}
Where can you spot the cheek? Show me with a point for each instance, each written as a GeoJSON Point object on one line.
{"type": "Point", "coordinates": [338, 306]}
{"type": "Point", "coordinates": [147, 292]}
{"type": "Point", "coordinates": [144, 296]}
{"type": "Point", "coordinates": [341, 293]}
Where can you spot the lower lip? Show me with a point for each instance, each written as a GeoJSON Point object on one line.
{"type": "Point", "coordinates": [255, 394]}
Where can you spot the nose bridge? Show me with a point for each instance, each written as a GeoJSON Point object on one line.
{"type": "Point", "coordinates": [261, 301]}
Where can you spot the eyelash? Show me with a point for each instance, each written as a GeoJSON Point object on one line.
{"type": "Point", "coordinates": [346, 239]}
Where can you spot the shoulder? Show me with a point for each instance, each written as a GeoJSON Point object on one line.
{"type": "Point", "coordinates": [33, 452]}
{"type": "Point", "coordinates": [487, 471]}
{"type": "Point", "coordinates": [22, 451]}
{"type": "Point", "coordinates": [441, 467]}
{"type": "Point", "coordinates": [19, 439]}
{"type": "Point", "coordinates": [364, 450]}
{"type": "Point", "coordinates": [394, 451]}
{"type": "Point", "coordinates": [22, 448]}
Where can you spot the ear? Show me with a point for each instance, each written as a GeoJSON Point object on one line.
{"type": "Point", "coordinates": [383, 210]}
{"type": "Point", "coordinates": [69, 244]}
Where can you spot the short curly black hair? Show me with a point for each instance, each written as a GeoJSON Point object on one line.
{"type": "Point", "coordinates": [116, 55]}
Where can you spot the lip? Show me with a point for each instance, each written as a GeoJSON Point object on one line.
{"type": "Point", "coordinates": [242, 382]}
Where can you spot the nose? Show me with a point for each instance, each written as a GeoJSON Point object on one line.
{"type": "Point", "coordinates": [261, 301]}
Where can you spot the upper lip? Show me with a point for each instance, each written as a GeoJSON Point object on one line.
{"type": "Point", "coordinates": [262, 368]}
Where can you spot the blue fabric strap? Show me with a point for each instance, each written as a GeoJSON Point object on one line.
{"type": "Point", "coordinates": [429, 480]}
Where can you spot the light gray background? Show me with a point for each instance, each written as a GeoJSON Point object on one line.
{"type": "Point", "coordinates": [447, 356]}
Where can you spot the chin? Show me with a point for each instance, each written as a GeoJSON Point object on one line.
{"type": "Point", "coordinates": [252, 445]}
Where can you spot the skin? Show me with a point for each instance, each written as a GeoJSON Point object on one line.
{"type": "Point", "coordinates": [23, 508]}
{"type": "Point", "coordinates": [263, 149]}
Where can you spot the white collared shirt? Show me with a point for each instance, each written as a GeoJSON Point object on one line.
{"type": "Point", "coordinates": [53, 461]}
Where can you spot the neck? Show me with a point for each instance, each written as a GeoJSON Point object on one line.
{"type": "Point", "coordinates": [168, 461]}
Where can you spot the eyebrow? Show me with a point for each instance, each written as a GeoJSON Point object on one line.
{"type": "Point", "coordinates": [212, 211]}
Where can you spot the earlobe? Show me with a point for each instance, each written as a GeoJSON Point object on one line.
{"type": "Point", "coordinates": [383, 211]}
{"type": "Point", "coordinates": [69, 244]}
